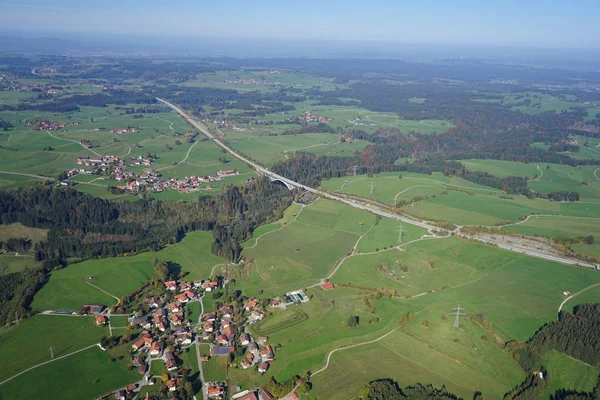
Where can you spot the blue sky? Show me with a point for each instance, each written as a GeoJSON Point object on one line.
{"type": "Point", "coordinates": [534, 23]}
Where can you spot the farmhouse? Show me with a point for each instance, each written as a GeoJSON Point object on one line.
{"type": "Point", "coordinates": [251, 304]}
{"type": "Point", "coordinates": [216, 390]}
{"type": "Point", "coordinates": [156, 348]}
{"type": "Point", "coordinates": [171, 285]}
{"type": "Point", "coordinates": [267, 354]}
{"type": "Point", "coordinates": [327, 286]}
{"type": "Point", "coordinates": [171, 385]}
{"type": "Point", "coordinates": [170, 361]}
{"type": "Point", "coordinates": [101, 320]}
{"type": "Point", "coordinates": [263, 394]}
{"type": "Point", "coordinates": [94, 308]}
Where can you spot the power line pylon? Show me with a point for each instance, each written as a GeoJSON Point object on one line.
{"type": "Point", "coordinates": [51, 350]}
{"type": "Point", "coordinates": [372, 186]}
{"type": "Point", "coordinates": [355, 168]}
{"type": "Point", "coordinates": [457, 313]}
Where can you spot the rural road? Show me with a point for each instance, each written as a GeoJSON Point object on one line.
{"type": "Point", "coordinates": [198, 357]}
{"type": "Point", "coordinates": [573, 295]}
{"type": "Point", "coordinates": [382, 211]}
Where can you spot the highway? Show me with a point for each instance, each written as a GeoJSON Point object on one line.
{"type": "Point", "coordinates": [363, 206]}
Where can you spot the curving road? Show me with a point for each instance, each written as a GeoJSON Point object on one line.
{"type": "Point", "coordinates": [370, 207]}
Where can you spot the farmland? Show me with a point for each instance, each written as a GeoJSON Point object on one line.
{"type": "Point", "coordinates": [568, 373]}
{"type": "Point", "coordinates": [70, 287]}
{"type": "Point", "coordinates": [84, 375]}
{"type": "Point", "coordinates": [27, 344]}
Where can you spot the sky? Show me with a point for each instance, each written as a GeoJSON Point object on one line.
{"type": "Point", "coordinates": [524, 23]}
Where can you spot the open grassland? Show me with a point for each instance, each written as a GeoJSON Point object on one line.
{"type": "Point", "coordinates": [568, 373]}
{"type": "Point", "coordinates": [11, 263]}
{"type": "Point", "coordinates": [308, 248]}
{"type": "Point", "coordinates": [547, 178]}
{"type": "Point", "coordinates": [69, 288]}
{"type": "Point", "coordinates": [308, 332]}
{"type": "Point", "coordinates": [85, 375]}
{"type": "Point", "coordinates": [288, 217]}
{"type": "Point", "coordinates": [21, 231]}
{"type": "Point", "coordinates": [555, 227]}
{"type": "Point", "coordinates": [390, 189]}
{"type": "Point", "coordinates": [264, 81]}
{"type": "Point", "coordinates": [270, 149]}
{"type": "Point", "coordinates": [517, 293]}
{"type": "Point", "coordinates": [26, 344]}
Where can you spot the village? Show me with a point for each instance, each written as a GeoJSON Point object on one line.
{"type": "Point", "coordinates": [160, 330]}
{"type": "Point", "coordinates": [148, 180]}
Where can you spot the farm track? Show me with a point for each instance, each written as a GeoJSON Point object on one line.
{"type": "Point", "coordinates": [28, 175]}
{"type": "Point", "coordinates": [573, 295]}
{"type": "Point", "coordinates": [48, 362]}
{"type": "Point", "coordinates": [276, 230]}
{"type": "Point", "coordinates": [540, 215]}
{"type": "Point", "coordinates": [351, 347]}
{"type": "Point", "coordinates": [596, 176]}
{"type": "Point", "coordinates": [105, 292]}
{"type": "Point", "coordinates": [74, 141]}
{"type": "Point", "coordinates": [187, 155]}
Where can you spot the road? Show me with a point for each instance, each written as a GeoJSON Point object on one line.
{"type": "Point", "coordinates": [370, 207]}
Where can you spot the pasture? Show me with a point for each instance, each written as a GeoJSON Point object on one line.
{"type": "Point", "coordinates": [568, 373]}
{"type": "Point", "coordinates": [308, 248]}
{"type": "Point", "coordinates": [88, 374]}
{"type": "Point", "coordinates": [70, 288]}
{"type": "Point", "coordinates": [27, 343]}
{"type": "Point", "coordinates": [12, 263]}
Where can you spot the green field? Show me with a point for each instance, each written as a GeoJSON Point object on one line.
{"type": "Point", "coordinates": [537, 102]}
{"type": "Point", "coordinates": [568, 373]}
{"type": "Point", "coordinates": [10, 263]}
{"type": "Point", "coordinates": [308, 249]}
{"type": "Point", "coordinates": [85, 375]}
{"type": "Point", "coordinates": [26, 344]}
{"type": "Point", "coordinates": [69, 289]}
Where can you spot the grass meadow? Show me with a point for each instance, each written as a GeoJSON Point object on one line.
{"type": "Point", "coordinates": [568, 373]}
{"type": "Point", "coordinates": [27, 343]}
{"type": "Point", "coordinates": [88, 374]}
{"type": "Point", "coordinates": [68, 288]}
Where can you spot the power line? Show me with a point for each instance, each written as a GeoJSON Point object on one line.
{"type": "Point", "coordinates": [457, 313]}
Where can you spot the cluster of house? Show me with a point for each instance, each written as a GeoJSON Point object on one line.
{"type": "Point", "coordinates": [250, 81]}
{"type": "Point", "coordinates": [222, 123]}
{"type": "Point", "coordinates": [46, 125]}
{"type": "Point", "coordinates": [219, 327]}
{"type": "Point", "coordinates": [359, 121]}
{"type": "Point", "coordinates": [129, 129]}
{"type": "Point", "coordinates": [571, 141]}
{"type": "Point", "coordinates": [311, 116]}
{"type": "Point", "coordinates": [6, 84]}
{"type": "Point", "coordinates": [187, 184]}
{"type": "Point", "coordinates": [149, 179]}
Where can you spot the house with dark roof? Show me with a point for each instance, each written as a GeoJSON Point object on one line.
{"type": "Point", "coordinates": [221, 350]}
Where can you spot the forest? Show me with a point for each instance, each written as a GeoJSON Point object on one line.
{"type": "Point", "coordinates": [575, 334]}
{"type": "Point", "coordinates": [82, 226]}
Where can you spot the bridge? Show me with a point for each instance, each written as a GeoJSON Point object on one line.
{"type": "Point", "coordinates": [366, 206]}
{"type": "Point", "coordinates": [284, 183]}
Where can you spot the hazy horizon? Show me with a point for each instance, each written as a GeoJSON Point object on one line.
{"type": "Point", "coordinates": [534, 24]}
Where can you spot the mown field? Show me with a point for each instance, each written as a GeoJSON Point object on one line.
{"type": "Point", "coordinates": [69, 288]}
{"type": "Point", "coordinates": [27, 343]}
{"type": "Point", "coordinates": [568, 373]}
{"type": "Point", "coordinates": [85, 375]}
{"type": "Point", "coordinates": [308, 249]}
